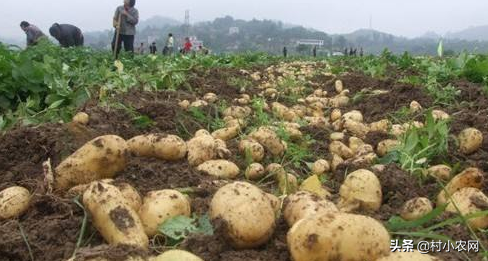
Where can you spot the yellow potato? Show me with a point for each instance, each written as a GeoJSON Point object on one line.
{"type": "Point", "coordinates": [440, 115]}
{"type": "Point", "coordinates": [198, 104]}
{"type": "Point", "coordinates": [339, 101]}
{"type": "Point", "coordinates": [320, 167]}
{"type": "Point", "coordinates": [161, 146]}
{"type": "Point", "coordinates": [416, 208]}
{"type": "Point", "coordinates": [304, 204]}
{"type": "Point", "coordinates": [470, 140]}
{"type": "Point", "coordinates": [287, 183]}
{"type": "Point", "coordinates": [159, 206]}
{"type": "Point", "coordinates": [227, 133]}
{"type": "Point", "coordinates": [247, 211]}
{"type": "Point", "coordinates": [338, 236]}
{"type": "Point", "coordinates": [81, 118]}
{"type": "Point", "coordinates": [362, 190]}
{"type": "Point", "coordinates": [283, 112]}
{"type": "Point", "coordinates": [100, 158]}
{"type": "Point", "coordinates": [210, 97]}
{"type": "Point", "coordinates": [176, 255]}
{"type": "Point", "coordinates": [355, 143]}
{"type": "Point", "coordinates": [116, 221]}
{"type": "Point", "coordinates": [408, 256]}
{"type": "Point", "coordinates": [415, 107]}
{"type": "Point", "coordinates": [201, 148]}
{"type": "Point", "coordinates": [185, 104]}
{"type": "Point", "coordinates": [353, 115]}
{"type": "Point", "coordinates": [338, 136]}
{"type": "Point", "coordinates": [339, 87]}
{"type": "Point", "coordinates": [14, 201]}
{"type": "Point", "coordinates": [336, 114]}
{"type": "Point", "coordinates": [386, 146]}
{"type": "Point", "coordinates": [253, 148]}
{"type": "Point", "coordinates": [380, 126]}
{"type": "Point", "coordinates": [357, 129]}
{"type": "Point", "coordinates": [336, 161]}
{"type": "Point", "coordinates": [219, 168]}
{"type": "Point", "coordinates": [471, 177]}
{"type": "Point", "coordinates": [275, 203]}
{"type": "Point", "coordinates": [270, 140]}
{"type": "Point", "coordinates": [255, 171]}
{"type": "Point", "coordinates": [340, 149]}
{"type": "Point", "coordinates": [441, 172]}
{"type": "Point", "coordinates": [470, 201]}
{"type": "Point", "coordinates": [237, 112]}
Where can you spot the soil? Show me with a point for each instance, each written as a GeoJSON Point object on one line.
{"type": "Point", "coordinates": [51, 225]}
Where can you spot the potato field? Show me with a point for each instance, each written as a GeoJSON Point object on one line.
{"type": "Point", "coordinates": [241, 157]}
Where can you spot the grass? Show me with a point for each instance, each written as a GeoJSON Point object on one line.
{"type": "Point", "coordinates": [26, 240]}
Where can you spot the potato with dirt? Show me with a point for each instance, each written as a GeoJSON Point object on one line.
{"type": "Point", "coordinates": [440, 172]}
{"type": "Point", "coordinates": [304, 204]}
{"type": "Point", "coordinates": [161, 146]}
{"type": "Point", "coordinates": [320, 167]}
{"type": "Point", "coordinates": [251, 148]}
{"type": "Point", "coordinates": [116, 221]}
{"type": "Point", "coordinates": [100, 158]}
{"type": "Point", "coordinates": [255, 171]}
{"type": "Point", "coordinates": [159, 206]}
{"type": "Point", "coordinates": [469, 201]}
{"type": "Point", "coordinates": [237, 112]}
{"type": "Point", "coordinates": [247, 212]}
{"type": "Point", "coordinates": [470, 177]}
{"type": "Point", "coordinates": [338, 236]}
{"type": "Point", "coordinates": [386, 146]}
{"type": "Point", "coordinates": [220, 169]}
{"type": "Point", "coordinates": [340, 149]}
{"type": "Point", "coordinates": [227, 133]}
{"type": "Point", "coordinates": [176, 255]}
{"type": "Point", "coordinates": [416, 208]}
{"type": "Point", "coordinates": [201, 148]}
{"type": "Point", "coordinates": [470, 140]}
{"type": "Point", "coordinates": [81, 118]}
{"type": "Point", "coordinates": [269, 140]}
{"type": "Point", "coordinates": [14, 201]}
{"type": "Point", "coordinates": [360, 190]}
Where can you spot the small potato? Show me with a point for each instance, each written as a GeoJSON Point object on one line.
{"type": "Point", "coordinates": [304, 204]}
{"type": "Point", "coordinates": [287, 183]}
{"type": "Point", "coordinates": [252, 148]}
{"type": "Point", "coordinates": [338, 236]}
{"type": "Point", "coordinates": [227, 133]}
{"type": "Point", "coordinates": [386, 146]}
{"type": "Point", "coordinates": [201, 148]}
{"type": "Point", "coordinates": [397, 130]}
{"type": "Point", "coordinates": [356, 128]}
{"type": "Point", "coordinates": [319, 122]}
{"type": "Point", "coordinates": [116, 221]}
{"type": "Point", "coordinates": [159, 206]}
{"type": "Point", "coordinates": [283, 112]}
{"type": "Point", "coordinates": [360, 190]}
{"type": "Point", "coordinates": [469, 201]}
{"type": "Point", "coordinates": [237, 112]}
{"type": "Point", "coordinates": [353, 115]}
{"type": "Point", "coordinates": [247, 211]}
{"type": "Point", "coordinates": [161, 146]}
{"type": "Point", "coordinates": [81, 118]}
{"type": "Point", "coordinates": [470, 140]}
{"type": "Point", "coordinates": [210, 97]}
{"type": "Point", "coordinates": [440, 172]}
{"type": "Point", "coordinates": [14, 201]}
{"type": "Point", "coordinates": [270, 140]}
{"type": "Point", "coordinates": [380, 126]}
{"type": "Point", "coordinates": [336, 161]}
{"type": "Point", "coordinates": [198, 104]}
{"type": "Point", "coordinates": [340, 149]}
{"type": "Point", "coordinates": [320, 167]}
{"type": "Point", "coordinates": [336, 114]}
{"type": "Point", "coordinates": [440, 115]}
{"type": "Point", "coordinates": [100, 158]}
{"type": "Point", "coordinates": [355, 144]}
{"type": "Point", "coordinates": [339, 87]}
{"type": "Point", "coordinates": [220, 169]}
{"type": "Point", "coordinates": [378, 168]}
{"type": "Point", "coordinates": [408, 256]}
{"type": "Point", "coordinates": [339, 101]}
{"type": "Point", "coordinates": [416, 208]}
{"type": "Point", "coordinates": [176, 255]}
{"type": "Point", "coordinates": [415, 107]}
{"type": "Point", "coordinates": [185, 104]}
{"type": "Point", "coordinates": [471, 177]}
{"type": "Point", "coordinates": [338, 136]}
{"type": "Point", "coordinates": [255, 171]}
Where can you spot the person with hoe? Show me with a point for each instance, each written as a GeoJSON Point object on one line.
{"type": "Point", "coordinates": [125, 20]}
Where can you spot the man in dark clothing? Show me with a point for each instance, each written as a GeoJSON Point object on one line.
{"type": "Point", "coordinates": [314, 51]}
{"type": "Point", "coordinates": [152, 48]}
{"type": "Point", "coordinates": [67, 35]}
{"type": "Point", "coordinates": [33, 33]}
{"type": "Point", "coordinates": [129, 17]}
{"type": "Point", "coordinates": [285, 52]}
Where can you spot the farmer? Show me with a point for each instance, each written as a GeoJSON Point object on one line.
{"type": "Point", "coordinates": [314, 51]}
{"type": "Point", "coordinates": [285, 52]}
{"type": "Point", "coordinates": [126, 30]}
{"type": "Point", "coordinates": [67, 35]}
{"type": "Point", "coordinates": [170, 45]}
{"type": "Point", "coordinates": [141, 49]}
{"type": "Point", "coordinates": [152, 48]}
{"type": "Point", "coordinates": [33, 33]}
{"type": "Point", "coordinates": [187, 47]}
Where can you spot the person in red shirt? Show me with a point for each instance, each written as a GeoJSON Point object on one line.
{"type": "Point", "coordinates": [187, 47]}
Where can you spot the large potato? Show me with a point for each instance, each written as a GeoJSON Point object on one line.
{"type": "Point", "coordinates": [159, 206]}
{"type": "Point", "coordinates": [341, 149]}
{"type": "Point", "coordinates": [162, 146]}
{"type": "Point", "coordinates": [247, 211]}
{"type": "Point", "coordinates": [100, 158]}
{"type": "Point", "coordinates": [358, 129]}
{"type": "Point", "coordinates": [227, 133]}
{"type": "Point", "coordinates": [176, 255]}
{"type": "Point", "coordinates": [353, 115]}
{"type": "Point", "coordinates": [469, 201]}
{"type": "Point", "coordinates": [471, 177]}
{"type": "Point", "coordinates": [201, 148]}
{"type": "Point", "coordinates": [470, 140]}
{"type": "Point", "coordinates": [270, 140]}
{"type": "Point", "coordinates": [408, 256]}
{"type": "Point", "coordinates": [416, 208]}
{"type": "Point", "coordinates": [220, 169]}
{"type": "Point", "coordinates": [338, 236]}
{"type": "Point", "coordinates": [14, 201]}
{"type": "Point", "coordinates": [252, 148]}
{"type": "Point", "coordinates": [361, 189]}
{"type": "Point", "coordinates": [304, 204]}
{"type": "Point", "coordinates": [116, 221]}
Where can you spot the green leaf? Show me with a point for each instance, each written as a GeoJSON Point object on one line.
{"type": "Point", "coordinates": [180, 227]}
{"type": "Point", "coordinates": [396, 223]}
{"type": "Point", "coordinates": [56, 104]}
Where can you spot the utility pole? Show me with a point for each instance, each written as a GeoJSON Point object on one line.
{"type": "Point", "coordinates": [187, 23]}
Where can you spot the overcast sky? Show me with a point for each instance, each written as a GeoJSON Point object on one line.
{"type": "Point", "coordinates": [400, 17]}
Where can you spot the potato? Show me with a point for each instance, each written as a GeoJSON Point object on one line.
{"type": "Point", "coordinates": [362, 190]}
{"type": "Point", "coordinates": [201, 148]}
{"type": "Point", "coordinates": [255, 171]}
{"type": "Point", "coordinates": [270, 140]}
{"type": "Point", "coordinates": [299, 110]}
{"type": "Point", "coordinates": [415, 107]}
{"type": "Point", "coordinates": [176, 255]}
{"type": "Point", "coordinates": [227, 133]}
{"type": "Point", "coordinates": [397, 130]}
{"type": "Point", "coordinates": [416, 208]}
{"type": "Point", "coordinates": [198, 104]}
{"type": "Point", "coordinates": [247, 211]}
{"type": "Point", "coordinates": [356, 128]}
{"type": "Point", "coordinates": [219, 168]}
{"type": "Point", "coordinates": [378, 168]}
{"type": "Point", "coordinates": [336, 161]}
{"type": "Point", "coordinates": [275, 203]}
{"type": "Point", "coordinates": [470, 140]}
{"type": "Point", "coordinates": [408, 256]}
{"type": "Point", "coordinates": [353, 115]}
{"type": "Point", "coordinates": [440, 115]}
{"type": "Point", "coordinates": [380, 126]}
{"type": "Point", "coordinates": [184, 104]}
{"type": "Point", "coordinates": [320, 167]}
{"type": "Point", "coordinates": [339, 87]}
{"type": "Point", "coordinates": [338, 136]}
{"type": "Point", "coordinates": [469, 201]}
{"type": "Point", "coordinates": [210, 97]}
{"type": "Point", "coordinates": [293, 132]}
{"type": "Point", "coordinates": [100, 158]}
{"type": "Point", "coordinates": [338, 236]}
{"type": "Point", "coordinates": [339, 101]}
{"type": "Point", "coordinates": [252, 148]}
{"type": "Point", "coordinates": [116, 221]}
{"type": "Point", "coordinates": [275, 169]}
{"type": "Point", "coordinates": [336, 114]}
{"type": "Point", "coordinates": [161, 146]}
{"type": "Point", "coordinates": [319, 122]}
{"type": "Point", "coordinates": [283, 112]}
{"type": "Point", "coordinates": [81, 118]}
{"type": "Point", "coordinates": [14, 201]}
{"type": "Point", "coordinates": [160, 206]}
{"type": "Point", "coordinates": [355, 144]}
{"type": "Point", "coordinates": [471, 177]}
{"type": "Point", "coordinates": [340, 149]}
{"type": "Point", "coordinates": [237, 112]}
{"type": "Point", "coordinates": [304, 204]}
{"type": "Point", "coordinates": [387, 146]}
{"type": "Point", "coordinates": [440, 172]}
{"type": "Point", "coordinates": [287, 183]}
{"type": "Point", "coordinates": [131, 195]}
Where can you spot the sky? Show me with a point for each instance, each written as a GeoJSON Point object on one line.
{"type": "Point", "coordinates": [400, 17]}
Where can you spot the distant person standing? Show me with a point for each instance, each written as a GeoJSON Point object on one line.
{"type": "Point", "coordinates": [361, 52]}
{"type": "Point", "coordinates": [141, 49]}
{"type": "Point", "coordinates": [67, 35]}
{"type": "Point", "coordinates": [285, 52]}
{"type": "Point", "coordinates": [188, 46]}
{"type": "Point", "coordinates": [346, 52]}
{"type": "Point", "coordinates": [351, 51]}
{"type": "Point", "coordinates": [314, 51]}
{"type": "Point", "coordinates": [128, 16]}
{"type": "Point", "coordinates": [152, 48]}
{"type": "Point", "coordinates": [33, 33]}
{"type": "Point", "coordinates": [170, 45]}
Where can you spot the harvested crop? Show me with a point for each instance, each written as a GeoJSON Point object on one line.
{"type": "Point", "coordinates": [220, 169]}
{"type": "Point", "coordinates": [360, 190]}
{"type": "Point", "coordinates": [161, 146]}
{"type": "Point", "coordinates": [14, 201]}
{"type": "Point", "coordinates": [304, 204]}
